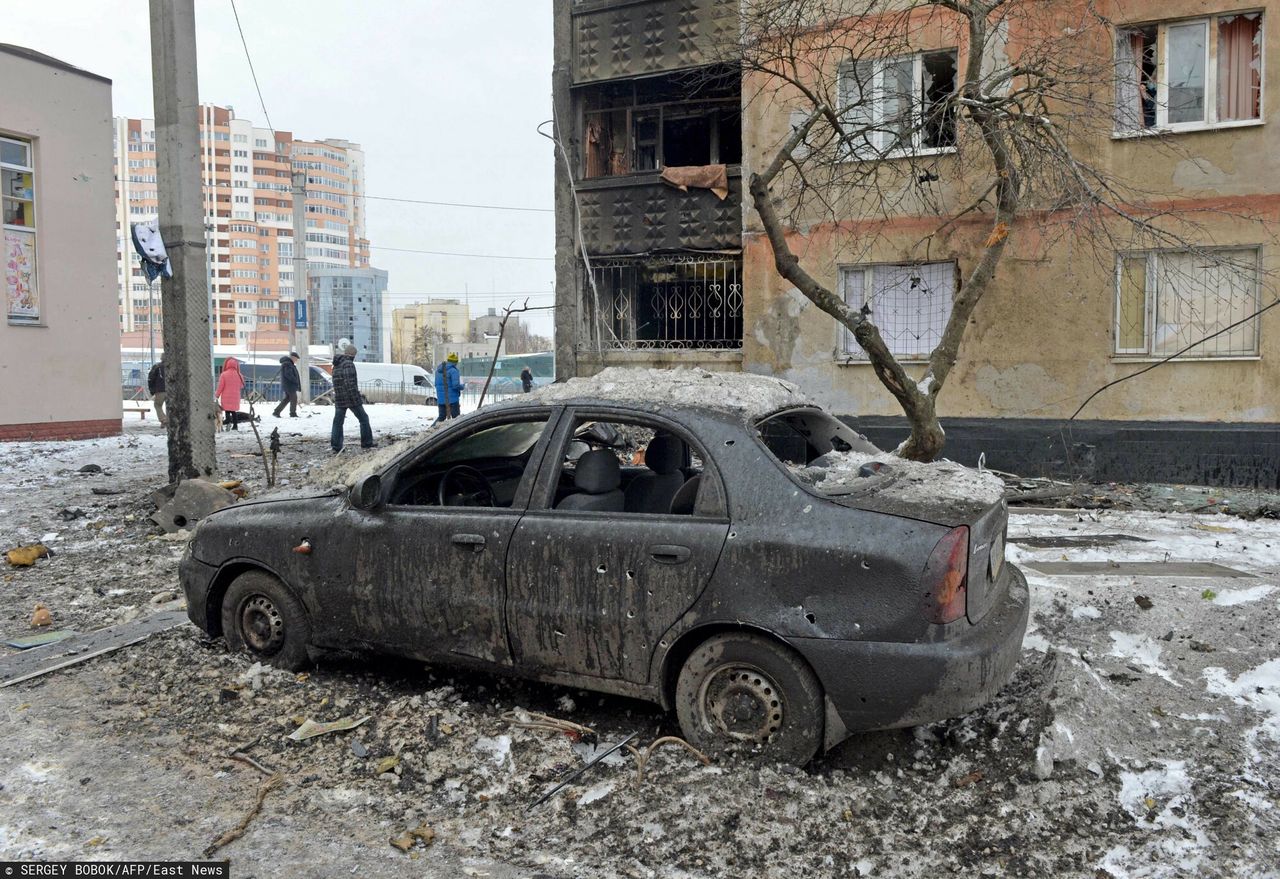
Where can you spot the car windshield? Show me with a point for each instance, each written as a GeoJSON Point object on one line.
{"type": "Point", "coordinates": [803, 440]}
{"type": "Point", "coordinates": [503, 441]}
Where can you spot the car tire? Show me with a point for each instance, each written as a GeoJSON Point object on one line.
{"type": "Point", "coordinates": [261, 617]}
{"type": "Point", "coordinates": [776, 698]}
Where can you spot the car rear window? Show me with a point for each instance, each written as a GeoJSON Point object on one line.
{"type": "Point", "coordinates": [799, 438]}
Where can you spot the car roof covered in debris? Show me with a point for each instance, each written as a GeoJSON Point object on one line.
{"type": "Point", "coordinates": [743, 396]}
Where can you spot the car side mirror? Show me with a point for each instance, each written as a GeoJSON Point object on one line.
{"type": "Point", "coordinates": [366, 494]}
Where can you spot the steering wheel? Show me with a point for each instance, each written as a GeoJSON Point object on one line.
{"type": "Point", "coordinates": [482, 498]}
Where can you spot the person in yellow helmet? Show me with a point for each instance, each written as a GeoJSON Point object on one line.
{"type": "Point", "coordinates": [448, 388]}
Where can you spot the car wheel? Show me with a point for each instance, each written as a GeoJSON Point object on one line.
{"type": "Point", "coordinates": [263, 618]}
{"type": "Point", "coordinates": [743, 692]}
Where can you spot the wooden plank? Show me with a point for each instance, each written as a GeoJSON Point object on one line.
{"type": "Point", "coordinates": [39, 661]}
{"type": "Point", "coordinates": [1138, 569]}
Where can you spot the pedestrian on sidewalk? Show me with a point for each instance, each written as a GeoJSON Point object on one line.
{"type": "Point", "coordinates": [155, 387]}
{"type": "Point", "coordinates": [230, 384]}
{"type": "Point", "coordinates": [290, 385]}
{"type": "Point", "coordinates": [346, 395]}
{"type": "Point", "coordinates": [526, 379]}
{"type": "Point", "coordinates": [448, 388]}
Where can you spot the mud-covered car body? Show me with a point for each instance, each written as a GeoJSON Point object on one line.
{"type": "Point", "coordinates": [616, 601]}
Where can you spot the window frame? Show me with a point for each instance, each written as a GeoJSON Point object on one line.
{"type": "Point", "coordinates": [848, 350]}
{"type": "Point", "coordinates": [1210, 122]}
{"type": "Point", "coordinates": [712, 500]}
{"type": "Point", "coordinates": [38, 320]}
{"type": "Point", "coordinates": [1151, 312]}
{"type": "Point", "coordinates": [876, 124]}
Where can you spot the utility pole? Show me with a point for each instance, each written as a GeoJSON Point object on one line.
{"type": "Point", "coordinates": [301, 335]}
{"type": "Point", "coordinates": [185, 297]}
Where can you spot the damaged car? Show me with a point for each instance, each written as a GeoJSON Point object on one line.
{"type": "Point", "coordinates": [716, 544]}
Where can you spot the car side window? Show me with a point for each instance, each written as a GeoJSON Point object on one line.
{"type": "Point", "coordinates": [620, 466]}
{"type": "Point", "coordinates": [483, 468]}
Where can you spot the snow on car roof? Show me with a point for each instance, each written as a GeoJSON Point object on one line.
{"type": "Point", "coordinates": [914, 481]}
{"type": "Point", "coordinates": [735, 393]}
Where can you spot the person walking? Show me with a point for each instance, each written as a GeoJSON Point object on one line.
{"type": "Point", "coordinates": [346, 395]}
{"type": "Point", "coordinates": [526, 379]}
{"type": "Point", "coordinates": [448, 388]}
{"type": "Point", "coordinates": [155, 387]}
{"type": "Point", "coordinates": [230, 384]}
{"type": "Point", "coordinates": [290, 385]}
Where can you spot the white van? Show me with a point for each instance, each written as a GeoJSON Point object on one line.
{"type": "Point", "coordinates": [396, 383]}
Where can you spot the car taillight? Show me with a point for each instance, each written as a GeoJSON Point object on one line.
{"type": "Point", "coordinates": [945, 577]}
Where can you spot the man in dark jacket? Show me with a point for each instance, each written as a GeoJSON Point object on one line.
{"type": "Point", "coordinates": [346, 395]}
{"type": "Point", "coordinates": [155, 387]}
{"type": "Point", "coordinates": [448, 388]}
{"type": "Point", "coordinates": [290, 385]}
{"type": "Point", "coordinates": [526, 379]}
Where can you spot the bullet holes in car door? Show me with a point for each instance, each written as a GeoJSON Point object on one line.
{"type": "Point", "coordinates": [432, 561]}
{"type": "Point", "coordinates": [622, 536]}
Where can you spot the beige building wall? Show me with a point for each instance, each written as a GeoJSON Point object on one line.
{"type": "Point", "coordinates": [59, 374]}
{"type": "Point", "coordinates": [451, 318]}
{"type": "Point", "coordinates": [1043, 338]}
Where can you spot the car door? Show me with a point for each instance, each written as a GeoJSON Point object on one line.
{"type": "Point", "coordinates": [428, 581]}
{"type": "Point", "coordinates": [591, 593]}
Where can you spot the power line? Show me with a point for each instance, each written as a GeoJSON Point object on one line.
{"type": "Point", "coordinates": [468, 255]}
{"type": "Point", "coordinates": [252, 72]}
{"type": "Point", "coordinates": [459, 204]}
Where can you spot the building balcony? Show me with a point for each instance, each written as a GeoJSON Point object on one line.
{"type": "Point", "coordinates": [638, 214]}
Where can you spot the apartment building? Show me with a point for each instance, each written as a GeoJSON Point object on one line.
{"type": "Point", "coordinates": [347, 303]}
{"type": "Point", "coordinates": [247, 174]}
{"type": "Point", "coordinates": [442, 320]}
{"type": "Point", "coordinates": [1186, 120]}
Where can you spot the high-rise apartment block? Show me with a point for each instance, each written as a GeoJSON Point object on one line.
{"type": "Point", "coordinates": [248, 207]}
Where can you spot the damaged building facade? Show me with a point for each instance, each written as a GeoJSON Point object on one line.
{"type": "Point", "coordinates": [648, 186]}
{"type": "Point", "coordinates": [1063, 317]}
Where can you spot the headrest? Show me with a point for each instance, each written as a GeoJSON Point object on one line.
{"type": "Point", "coordinates": [665, 454]}
{"type": "Point", "coordinates": [597, 472]}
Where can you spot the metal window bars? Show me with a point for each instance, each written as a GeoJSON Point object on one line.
{"type": "Point", "coordinates": [672, 301]}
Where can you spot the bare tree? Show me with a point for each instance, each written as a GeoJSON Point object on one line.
{"type": "Point", "coordinates": [985, 115]}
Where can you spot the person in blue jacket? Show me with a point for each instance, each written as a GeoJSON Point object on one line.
{"type": "Point", "coordinates": [448, 388]}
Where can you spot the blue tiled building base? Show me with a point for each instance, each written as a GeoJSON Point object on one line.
{"type": "Point", "coordinates": [1200, 453]}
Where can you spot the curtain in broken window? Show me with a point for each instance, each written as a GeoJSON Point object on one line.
{"type": "Point", "coordinates": [1239, 67]}
{"type": "Point", "coordinates": [605, 144]}
{"type": "Point", "coordinates": [1129, 81]}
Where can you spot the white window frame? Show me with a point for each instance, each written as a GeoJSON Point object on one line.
{"type": "Point", "coordinates": [875, 151]}
{"type": "Point", "coordinates": [1210, 121]}
{"type": "Point", "coordinates": [1151, 315]}
{"type": "Point", "coordinates": [848, 350]}
{"type": "Point", "coordinates": [38, 320]}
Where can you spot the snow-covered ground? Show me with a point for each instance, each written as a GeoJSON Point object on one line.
{"type": "Point", "coordinates": [1139, 739]}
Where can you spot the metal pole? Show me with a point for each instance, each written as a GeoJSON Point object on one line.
{"type": "Point", "coordinates": [301, 337]}
{"type": "Point", "coordinates": [185, 298]}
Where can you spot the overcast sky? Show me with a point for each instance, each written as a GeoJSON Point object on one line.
{"type": "Point", "coordinates": [445, 98]}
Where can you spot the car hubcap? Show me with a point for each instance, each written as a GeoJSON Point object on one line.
{"type": "Point", "coordinates": [743, 703]}
{"type": "Point", "coordinates": [261, 624]}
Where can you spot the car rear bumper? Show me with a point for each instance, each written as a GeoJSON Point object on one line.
{"type": "Point", "coordinates": [879, 685]}
{"type": "Point", "coordinates": [196, 577]}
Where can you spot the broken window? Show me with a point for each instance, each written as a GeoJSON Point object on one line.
{"type": "Point", "coordinates": [1170, 300]}
{"type": "Point", "coordinates": [1212, 73]}
{"type": "Point", "coordinates": [647, 125]}
{"type": "Point", "coordinates": [631, 467]}
{"type": "Point", "coordinates": [909, 304]}
{"type": "Point", "coordinates": [898, 106]}
{"type": "Point", "coordinates": [668, 302]}
{"type": "Point", "coordinates": [484, 468]}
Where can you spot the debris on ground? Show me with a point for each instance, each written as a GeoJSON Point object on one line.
{"type": "Point", "coordinates": [41, 617]}
{"type": "Point", "coordinates": [193, 500]}
{"type": "Point", "coordinates": [422, 835]}
{"type": "Point", "coordinates": [238, 831]}
{"type": "Point", "coordinates": [26, 556]}
{"type": "Point", "coordinates": [29, 641]}
{"type": "Point", "coordinates": [309, 729]}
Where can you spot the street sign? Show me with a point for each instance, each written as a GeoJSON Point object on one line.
{"type": "Point", "coordinates": [300, 314]}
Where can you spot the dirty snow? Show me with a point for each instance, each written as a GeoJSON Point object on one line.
{"type": "Point", "coordinates": [743, 394]}
{"type": "Point", "coordinates": [1232, 597]}
{"type": "Point", "coordinates": [1142, 651]}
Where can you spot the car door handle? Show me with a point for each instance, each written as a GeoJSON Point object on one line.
{"type": "Point", "coordinates": [475, 541]}
{"type": "Point", "coordinates": [669, 553]}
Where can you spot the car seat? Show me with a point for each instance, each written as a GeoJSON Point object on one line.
{"type": "Point", "coordinates": [597, 479]}
{"type": "Point", "coordinates": [652, 492]}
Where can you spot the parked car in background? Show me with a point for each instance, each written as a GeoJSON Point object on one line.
{"type": "Point", "coordinates": [395, 383]}
{"type": "Point", "coordinates": [713, 543]}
